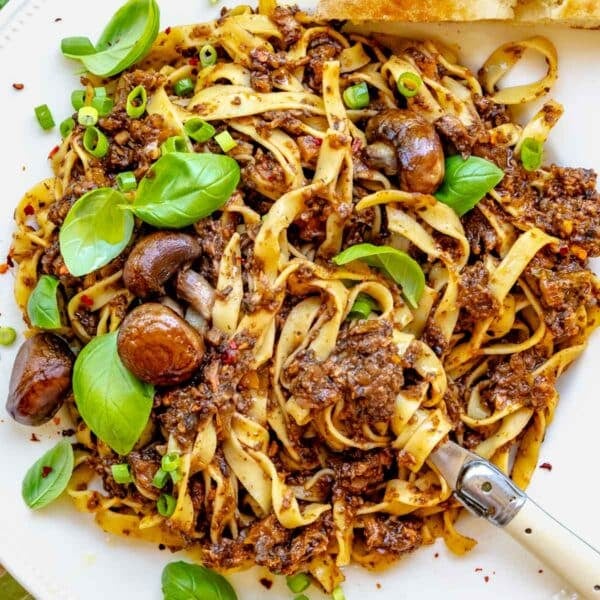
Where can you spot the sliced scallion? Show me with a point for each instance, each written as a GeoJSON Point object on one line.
{"type": "Point", "coordinates": [198, 129]}
{"type": "Point", "coordinates": [532, 151]}
{"type": "Point", "coordinates": [356, 96]}
{"type": "Point", "coordinates": [166, 505]}
{"type": "Point", "coordinates": [95, 142]}
{"type": "Point", "coordinates": [44, 116]}
{"type": "Point", "coordinates": [136, 102]}
{"type": "Point", "coordinates": [208, 55]}
{"type": "Point", "coordinates": [160, 479]}
{"type": "Point", "coordinates": [225, 141]}
{"type": "Point", "coordinates": [409, 84]}
{"type": "Point", "coordinates": [66, 127]}
{"type": "Point", "coordinates": [77, 99]}
{"type": "Point", "coordinates": [176, 143]}
{"type": "Point", "coordinates": [126, 181]}
{"type": "Point", "coordinates": [87, 116]}
{"type": "Point", "coordinates": [103, 105]}
{"type": "Point", "coordinates": [170, 462]}
{"type": "Point", "coordinates": [298, 582]}
{"type": "Point", "coordinates": [184, 87]}
{"type": "Point", "coordinates": [121, 473]}
{"type": "Point", "coordinates": [7, 336]}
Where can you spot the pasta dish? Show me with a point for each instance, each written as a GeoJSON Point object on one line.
{"type": "Point", "coordinates": [276, 265]}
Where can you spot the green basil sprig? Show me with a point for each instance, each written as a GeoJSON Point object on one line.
{"type": "Point", "coordinates": [42, 306]}
{"type": "Point", "coordinates": [185, 581]}
{"type": "Point", "coordinates": [182, 187]}
{"type": "Point", "coordinates": [96, 230]}
{"type": "Point", "coordinates": [48, 477]}
{"type": "Point", "coordinates": [467, 181]}
{"type": "Point", "coordinates": [397, 265]}
{"type": "Point", "coordinates": [125, 40]}
{"type": "Point", "coordinates": [112, 401]}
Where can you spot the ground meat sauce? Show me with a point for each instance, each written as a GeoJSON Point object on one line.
{"type": "Point", "coordinates": [474, 293]}
{"type": "Point", "coordinates": [364, 370]}
{"type": "Point", "coordinates": [390, 535]}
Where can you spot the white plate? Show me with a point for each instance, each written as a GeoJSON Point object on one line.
{"type": "Point", "coordinates": [60, 554]}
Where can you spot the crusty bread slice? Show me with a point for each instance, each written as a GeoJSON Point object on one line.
{"type": "Point", "coordinates": [578, 13]}
{"type": "Point", "coordinates": [416, 10]}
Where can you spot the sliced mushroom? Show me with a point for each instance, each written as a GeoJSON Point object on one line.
{"type": "Point", "coordinates": [195, 290]}
{"type": "Point", "coordinates": [158, 346]}
{"type": "Point", "coordinates": [155, 259]}
{"type": "Point", "coordinates": [404, 143]}
{"type": "Point", "coordinates": [40, 379]}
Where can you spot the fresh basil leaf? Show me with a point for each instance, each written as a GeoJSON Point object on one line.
{"type": "Point", "coordinates": [48, 477]}
{"type": "Point", "coordinates": [467, 181]}
{"type": "Point", "coordinates": [181, 188]}
{"type": "Point", "coordinates": [42, 306]}
{"type": "Point", "coordinates": [185, 581]}
{"type": "Point", "coordinates": [124, 41]}
{"type": "Point", "coordinates": [397, 265]}
{"type": "Point", "coordinates": [363, 306]}
{"type": "Point", "coordinates": [114, 404]}
{"type": "Point", "coordinates": [96, 230]}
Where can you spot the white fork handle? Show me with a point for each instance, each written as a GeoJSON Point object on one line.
{"type": "Point", "coordinates": [558, 547]}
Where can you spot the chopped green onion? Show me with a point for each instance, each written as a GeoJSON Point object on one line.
{"type": "Point", "coordinates": [87, 116]}
{"type": "Point", "coordinates": [136, 102]}
{"type": "Point", "coordinates": [44, 116]}
{"type": "Point", "coordinates": [103, 105]}
{"type": "Point", "coordinates": [77, 46]}
{"type": "Point", "coordinates": [363, 306]}
{"type": "Point", "coordinates": [160, 479]}
{"type": "Point", "coordinates": [409, 84]}
{"type": "Point", "coordinates": [176, 143]}
{"type": "Point", "coordinates": [338, 593]}
{"type": "Point", "coordinates": [66, 127]}
{"type": "Point", "coordinates": [225, 140]}
{"type": "Point", "coordinates": [99, 92]}
{"type": "Point", "coordinates": [166, 505]}
{"type": "Point", "coordinates": [356, 96]}
{"type": "Point", "coordinates": [198, 130]}
{"type": "Point", "coordinates": [7, 336]}
{"type": "Point", "coordinates": [301, 597]}
{"type": "Point", "coordinates": [77, 99]}
{"type": "Point", "coordinates": [95, 142]}
{"type": "Point", "coordinates": [175, 476]}
{"type": "Point", "coordinates": [532, 151]}
{"type": "Point", "coordinates": [121, 473]}
{"type": "Point", "coordinates": [126, 181]}
{"type": "Point", "coordinates": [184, 87]}
{"type": "Point", "coordinates": [208, 55]}
{"type": "Point", "coordinates": [170, 462]}
{"type": "Point", "coordinates": [298, 582]}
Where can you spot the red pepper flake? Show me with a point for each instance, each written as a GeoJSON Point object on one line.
{"type": "Point", "coordinates": [356, 145]}
{"type": "Point", "coordinates": [161, 546]}
{"type": "Point", "coordinates": [18, 86]}
{"type": "Point", "coordinates": [563, 250]}
{"type": "Point", "coordinates": [56, 420]}
{"type": "Point", "coordinates": [34, 438]}
{"type": "Point", "coordinates": [540, 571]}
{"type": "Point", "coordinates": [29, 210]}
{"type": "Point", "coordinates": [3, 268]}
{"type": "Point", "coordinates": [58, 19]}
{"type": "Point", "coordinates": [193, 61]}
{"type": "Point", "coordinates": [230, 354]}
{"type": "Point", "coordinates": [478, 569]}
{"type": "Point", "coordinates": [486, 578]}
{"type": "Point", "coordinates": [86, 300]}
{"type": "Point", "coordinates": [168, 30]}
{"type": "Point", "coordinates": [436, 555]}
{"type": "Point", "coordinates": [53, 152]}
{"type": "Point", "coordinates": [546, 466]}
{"type": "Point", "coordinates": [46, 471]}
{"type": "Point", "coordinates": [378, 585]}
{"type": "Point", "coordinates": [266, 582]}
{"type": "Point", "coordinates": [9, 260]}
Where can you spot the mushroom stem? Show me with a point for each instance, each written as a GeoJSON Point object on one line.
{"type": "Point", "coordinates": [195, 289]}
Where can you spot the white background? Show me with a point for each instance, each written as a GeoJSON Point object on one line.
{"type": "Point", "coordinates": [60, 554]}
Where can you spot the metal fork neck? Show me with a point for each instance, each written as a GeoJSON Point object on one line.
{"type": "Point", "coordinates": [488, 493]}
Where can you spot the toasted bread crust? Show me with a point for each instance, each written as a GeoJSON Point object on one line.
{"type": "Point", "coordinates": [582, 13]}
{"type": "Point", "coordinates": [415, 10]}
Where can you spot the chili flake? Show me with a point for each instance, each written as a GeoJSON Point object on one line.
{"type": "Point", "coordinates": [3, 268]}
{"type": "Point", "coordinates": [29, 210]}
{"type": "Point", "coordinates": [46, 471]}
{"type": "Point", "coordinates": [18, 86]}
{"type": "Point", "coordinates": [86, 300]}
{"type": "Point", "coordinates": [546, 466]}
